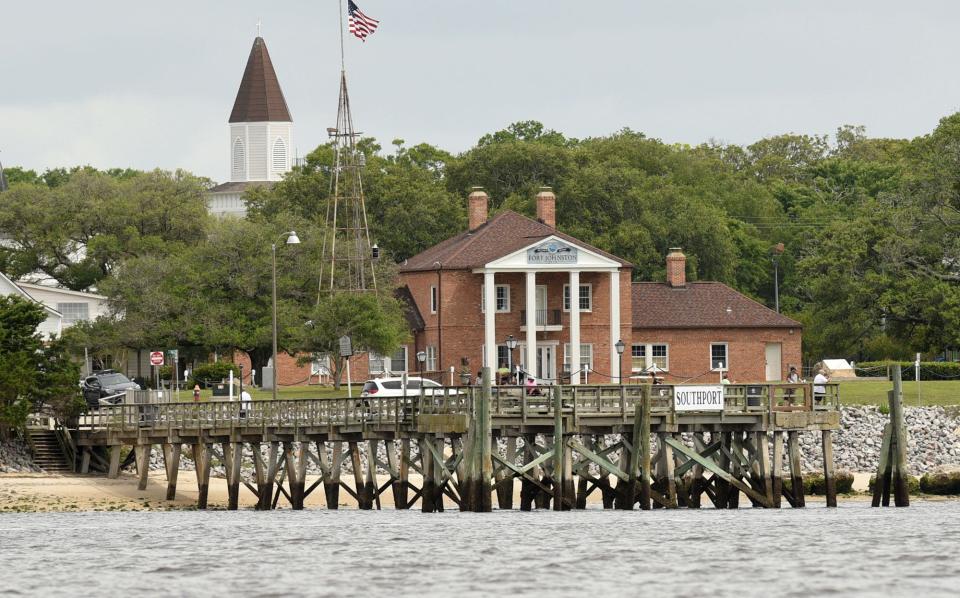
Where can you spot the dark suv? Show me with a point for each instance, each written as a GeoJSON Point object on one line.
{"type": "Point", "coordinates": [105, 384]}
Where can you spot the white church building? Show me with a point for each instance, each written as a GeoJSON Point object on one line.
{"type": "Point", "coordinates": [261, 135]}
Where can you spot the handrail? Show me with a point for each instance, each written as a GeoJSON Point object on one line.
{"type": "Point", "coordinates": [67, 444]}
{"type": "Point", "coordinates": [506, 401]}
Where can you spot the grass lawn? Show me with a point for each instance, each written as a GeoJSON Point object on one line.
{"type": "Point", "coordinates": [852, 392]}
{"type": "Point", "coordinates": [874, 392]}
{"type": "Point", "coordinates": [284, 392]}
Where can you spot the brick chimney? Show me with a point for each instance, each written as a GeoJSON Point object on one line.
{"type": "Point", "coordinates": [676, 268]}
{"type": "Point", "coordinates": [547, 207]}
{"type": "Point", "coordinates": [477, 207]}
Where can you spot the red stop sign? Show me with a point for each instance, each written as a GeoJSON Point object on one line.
{"type": "Point", "coordinates": [156, 358]}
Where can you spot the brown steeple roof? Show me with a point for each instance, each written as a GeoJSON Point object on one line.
{"type": "Point", "coordinates": [260, 98]}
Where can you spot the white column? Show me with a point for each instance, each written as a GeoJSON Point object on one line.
{"type": "Point", "coordinates": [615, 327]}
{"type": "Point", "coordinates": [574, 327]}
{"type": "Point", "coordinates": [490, 320]}
{"type": "Point", "coordinates": [531, 302]}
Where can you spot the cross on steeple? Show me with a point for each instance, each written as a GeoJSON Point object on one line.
{"type": "Point", "coordinates": [258, 28]}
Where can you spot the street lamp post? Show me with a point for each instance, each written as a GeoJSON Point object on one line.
{"type": "Point", "coordinates": [775, 252]}
{"type": "Point", "coordinates": [620, 346]}
{"type": "Point", "coordinates": [511, 345]}
{"type": "Point", "coordinates": [292, 239]}
{"type": "Point", "coordinates": [421, 358]}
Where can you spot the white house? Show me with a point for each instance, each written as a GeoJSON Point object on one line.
{"type": "Point", "coordinates": [52, 326]}
{"type": "Point", "coordinates": [74, 306]}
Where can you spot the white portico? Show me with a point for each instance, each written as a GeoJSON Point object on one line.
{"type": "Point", "coordinates": [553, 255]}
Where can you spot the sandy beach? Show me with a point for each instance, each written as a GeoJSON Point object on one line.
{"type": "Point", "coordinates": [57, 493]}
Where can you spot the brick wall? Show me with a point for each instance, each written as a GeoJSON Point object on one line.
{"type": "Point", "coordinates": [689, 351]}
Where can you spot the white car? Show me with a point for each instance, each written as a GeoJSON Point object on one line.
{"type": "Point", "coordinates": [393, 387]}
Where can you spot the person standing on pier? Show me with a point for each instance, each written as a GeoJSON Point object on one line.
{"type": "Point", "coordinates": [819, 390]}
{"type": "Point", "coordinates": [792, 378]}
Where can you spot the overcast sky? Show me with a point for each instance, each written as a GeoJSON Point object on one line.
{"type": "Point", "coordinates": [115, 83]}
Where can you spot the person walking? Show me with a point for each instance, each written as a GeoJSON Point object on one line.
{"type": "Point", "coordinates": [196, 393]}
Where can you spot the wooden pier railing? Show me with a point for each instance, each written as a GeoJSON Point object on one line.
{"type": "Point", "coordinates": [379, 412]}
{"type": "Point", "coordinates": [468, 442]}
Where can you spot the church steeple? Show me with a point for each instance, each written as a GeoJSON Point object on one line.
{"type": "Point", "coordinates": [261, 130]}
{"type": "Point", "coordinates": [260, 98]}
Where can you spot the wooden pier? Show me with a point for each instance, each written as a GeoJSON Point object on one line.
{"type": "Point", "coordinates": [630, 444]}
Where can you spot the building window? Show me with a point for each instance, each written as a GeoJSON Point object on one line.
{"type": "Point", "coordinates": [503, 357]}
{"type": "Point", "coordinates": [644, 357]}
{"type": "Point", "coordinates": [718, 357]}
{"type": "Point", "coordinates": [239, 159]}
{"type": "Point", "coordinates": [73, 312]}
{"type": "Point", "coordinates": [586, 356]}
{"type": "Point", "coordinates": [503, 299]}
{"type": "Point", "coordinates": [659, 356]}
{"type": "Point", "coordinates": [279, 155]}
{"type": "Point", "coordinates": [394, 364]}
{"type": "Point", "coordinates": [433, 300]}
{"type": "Point", "coordinates": [320, 367]}
{"type": "Point", "coordinates": [638, 358]}
{"type": "Point", "coordinates": [431, 363]}
{"type": "Point", "coordinates": [586, 297]}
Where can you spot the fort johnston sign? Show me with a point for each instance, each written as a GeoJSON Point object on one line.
{"type": "Point", "coordinates": [552, 252]}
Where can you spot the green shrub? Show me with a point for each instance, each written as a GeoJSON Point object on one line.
{"type": "Point", "coordinates": [209, 373]}
{"type": "Point", "coordinates": [941, 483]}
{"type": "Point", "coordinates": [814, 485]}
{"type": "Point", "coordinates": [913, 484]}
{"type": "Point", "coordinates": [929, 370]}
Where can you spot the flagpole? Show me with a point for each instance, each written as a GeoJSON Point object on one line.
{"type": "Point", "coordinates": [342, 67]}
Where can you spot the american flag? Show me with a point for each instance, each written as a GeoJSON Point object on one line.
{"type": "Point", "coordinates": [360, 24]}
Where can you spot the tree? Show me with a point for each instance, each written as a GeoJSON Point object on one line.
{"type": "Point", "coordinates": [374, 322]}
{"type": "Point", "coordinates": [31, 374]}
{"type": "Point", "coordinates": [77, 231]}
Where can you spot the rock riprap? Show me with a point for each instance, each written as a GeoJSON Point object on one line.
{"type": "Point", "coordinates": [933, 440]}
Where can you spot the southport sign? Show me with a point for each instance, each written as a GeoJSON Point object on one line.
{"type": "Point", "coordinates": [698, 398]}
{"type": "Point", "coordinates": [552, 252]}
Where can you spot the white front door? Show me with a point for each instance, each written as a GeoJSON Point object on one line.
{"type": "Point", "coordinates": [772, 354]}
{"type": "Point", "coordinates": [546, 363]}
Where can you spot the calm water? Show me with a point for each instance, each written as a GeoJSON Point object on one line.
{"type": "Point", "coordinates": [853, 550]}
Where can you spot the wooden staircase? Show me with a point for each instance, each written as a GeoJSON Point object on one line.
{"type": "Point", "coordinates": [47, 452]}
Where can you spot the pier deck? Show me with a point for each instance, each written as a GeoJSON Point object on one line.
{"type": "Point", "coordinates": [469, 443]}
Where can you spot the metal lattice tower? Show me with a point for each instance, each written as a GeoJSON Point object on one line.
{"type": "Point", "coordinates": [348, 256]}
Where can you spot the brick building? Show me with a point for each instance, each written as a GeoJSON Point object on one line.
{"type": "Point", "coordinates": [524, 269]}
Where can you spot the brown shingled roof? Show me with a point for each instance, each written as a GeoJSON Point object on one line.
{"type": "Point", "coordinates": [260, 98]}
{"type": "Point", "coordinates": [701, 305]}
{"type": "Point", "coordinates": [502, 235]}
